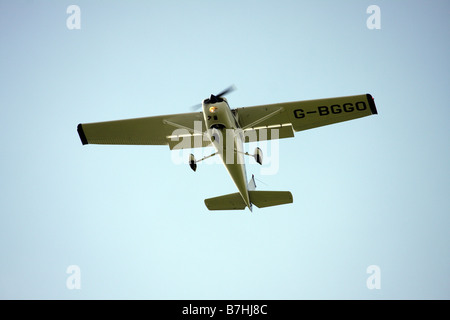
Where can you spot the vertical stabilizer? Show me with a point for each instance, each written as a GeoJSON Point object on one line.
{"type": "Point", "coordinates": [252, 184]}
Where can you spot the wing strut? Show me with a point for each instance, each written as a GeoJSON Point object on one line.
{"type": "Point", "coordinates": [193, 161]}
{"type": "Point", "coordinates": [270, 115]}
{"type": "Point", "coordinates": [179, 126]}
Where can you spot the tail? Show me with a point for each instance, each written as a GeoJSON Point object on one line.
{"type": "Point", "coordinates": [261, 199]}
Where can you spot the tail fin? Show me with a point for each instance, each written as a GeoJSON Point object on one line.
{"type": "Point", "coordinates": [261, 199]}
{"type": "Point", "coordinates": [252, 185]}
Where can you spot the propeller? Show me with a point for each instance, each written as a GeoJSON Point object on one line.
{"type": "Point", "coordinates": [226, 91]}
{"type": "Point", "coordinates": [216, 98]}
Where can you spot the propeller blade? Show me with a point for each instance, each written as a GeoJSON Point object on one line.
{"type": "Point", "coordinates": [214, 97]}
{"type": "Point", "coordinates": [196, 107]}
{"type": "Point", "coordinates": [226, 91]}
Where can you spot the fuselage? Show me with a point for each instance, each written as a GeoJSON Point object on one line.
{"type": "Point", "coordinates": [227, 138]}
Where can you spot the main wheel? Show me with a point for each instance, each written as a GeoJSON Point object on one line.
{"type": "Point", "coordinates": [192, 162]}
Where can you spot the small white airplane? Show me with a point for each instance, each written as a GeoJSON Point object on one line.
{"type": "Point", "coordinates": [227, 130]}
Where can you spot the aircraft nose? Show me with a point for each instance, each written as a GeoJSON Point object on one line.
{"type": "Point", "coordinates": [212, 99]}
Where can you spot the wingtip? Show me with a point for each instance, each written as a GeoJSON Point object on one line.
{"type": "Point", "coordinates": [81, 134]}
{"type": "Point", "coordinates": [372, 106]}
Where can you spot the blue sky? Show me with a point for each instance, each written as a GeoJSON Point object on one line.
{"type": "Point", "coordinates": [373, 191]}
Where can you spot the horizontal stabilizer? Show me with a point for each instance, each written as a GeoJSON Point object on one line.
{"type": "Point", "coordinates": [231, 201]}
{"type": "Point", "coordinates": [263, 199]}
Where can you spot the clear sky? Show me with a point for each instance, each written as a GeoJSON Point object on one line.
{"type": "Point", "coordinates": [369, 192]}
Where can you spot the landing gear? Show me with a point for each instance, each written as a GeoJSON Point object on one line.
{"type": "Point", "coordinates": [258, 156]}
{"type": "Point", "coordinates": [193, 161]}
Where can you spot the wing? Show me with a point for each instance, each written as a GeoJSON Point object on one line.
{"type": "Point", "coordinates": [179, 131]}
{"type": "Point", "coordinates": [303, 115]}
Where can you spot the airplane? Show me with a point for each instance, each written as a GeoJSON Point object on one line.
{"type": "Point", "coordinates": [227, 130]}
